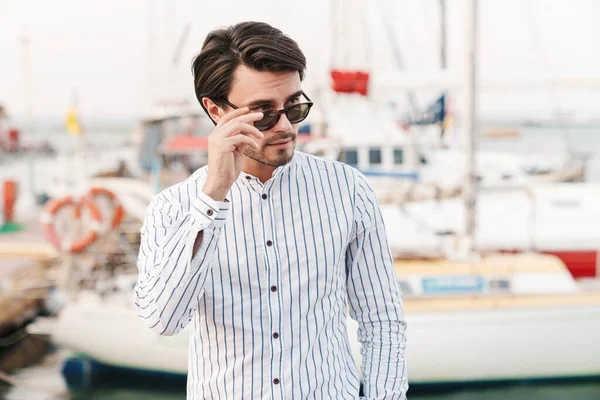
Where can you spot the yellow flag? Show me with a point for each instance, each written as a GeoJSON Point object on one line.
{"type": "Point", "coordinates": [448, 121]}
{"type": "Point", "coordinates": [72, 122]}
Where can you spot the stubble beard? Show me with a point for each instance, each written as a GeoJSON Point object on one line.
{"type": "Point", "coordinates": [281, 158]}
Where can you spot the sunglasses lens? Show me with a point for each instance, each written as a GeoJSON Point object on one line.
{"type": "Point", "coordinates": [268, 121]}
{"type": "Point", "coordinates": [297, 113]}
{"type": "Point", "coordinates": [294, 114]}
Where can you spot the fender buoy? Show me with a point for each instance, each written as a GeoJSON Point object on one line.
{"type": "Point", "coordinates": [119, 211]}
{"type": "Point", "coordinates": [48, 216]}
{"type": "Point", "coordinates": [350, 81]}
{"type": "Point", "coordinates": [9, 195]}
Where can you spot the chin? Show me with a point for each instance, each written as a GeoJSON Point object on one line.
{"type": "Point", "coordinates": [272, 157]}
{"type": "Point", "coordinates": [281, 157]}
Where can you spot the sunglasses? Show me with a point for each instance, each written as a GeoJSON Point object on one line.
{"type": "Point", "coordinates": [295, 114]}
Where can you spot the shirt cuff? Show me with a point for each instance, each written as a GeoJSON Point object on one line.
{"type": "Point", "coordinates": [206, 210]}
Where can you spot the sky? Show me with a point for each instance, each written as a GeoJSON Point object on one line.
{"type": "Point", "coordinates": [116, 55]}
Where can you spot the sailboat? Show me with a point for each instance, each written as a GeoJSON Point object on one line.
{"type": "Point", "coordinates": [500, 305]}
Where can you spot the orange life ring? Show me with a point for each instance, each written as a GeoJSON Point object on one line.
{"type": "Point", "coordinates": [48, 230]}
{"type": "Point", "coordinates": [119, 211]}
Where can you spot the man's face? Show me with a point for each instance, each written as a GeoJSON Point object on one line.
{"type": "Point", "coordinates": [269, 91]}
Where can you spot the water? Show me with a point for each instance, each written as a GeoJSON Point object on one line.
{"type": "Point", "coordinates": [582, 139]}
{"type": "Point", "coordinates": [120, 389]}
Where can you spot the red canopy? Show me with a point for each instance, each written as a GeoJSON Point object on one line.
{"type": "Point", "coordinates": [185, 144]}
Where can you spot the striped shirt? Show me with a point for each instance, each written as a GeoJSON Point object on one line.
{"type": "Point", "coordinates": [269, 289]}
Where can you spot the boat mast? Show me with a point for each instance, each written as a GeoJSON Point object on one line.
{"type": "Point", "coordinates": [27, 96]}
{"type": "Point", "coordinates": [443, 53]}
{"type": "Point", "coordinates": [443, 35]}
{"type": "Point", "coordinates": [151, 51]}
{"type": "Point", "coordinates": [470, 198]}
{"type": "Point", "coordinates": [26, 45]}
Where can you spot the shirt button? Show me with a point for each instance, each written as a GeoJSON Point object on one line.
{"type": "Point", "coordinates": [264, 196]}
{"type": "Point", "coordinates": [276, 381]}
{"type": "Point", "coordinates": [273, 288]}
{"type": "Point", "coordinates": [209, 212]}
{"type": "Point", "coordinates": [269, 243]}
{"type": "Point", "coordinates": [248, 177]}
{"type": "Point", "coordinates": [276, 335]}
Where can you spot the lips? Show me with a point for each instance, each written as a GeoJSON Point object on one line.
{"type": "Point", "coordinates": [280, 142]}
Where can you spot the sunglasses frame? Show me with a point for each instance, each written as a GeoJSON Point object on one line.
{"type": "Point", "coordinates": [279, 112]}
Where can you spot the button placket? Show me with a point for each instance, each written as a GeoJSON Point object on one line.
{"type": "Point", "coordinates": [253, 183]}
{"type": "Point", "coordinates": [272, 260]}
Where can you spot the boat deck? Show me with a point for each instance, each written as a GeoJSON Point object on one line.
{"type": "Point", "coordinates": [499, 302]}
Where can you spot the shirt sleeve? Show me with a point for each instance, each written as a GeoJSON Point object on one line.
{"type": "Point", "coordinates": [376, 301]}
{"type": "Point", "coordinates": [171, 279]}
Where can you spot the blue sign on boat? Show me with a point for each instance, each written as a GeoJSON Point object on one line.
{"type": "Point", "coordinates": [453, 284]}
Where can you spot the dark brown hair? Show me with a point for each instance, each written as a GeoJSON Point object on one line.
{"type": "Point", "coordinates": [255, 44]}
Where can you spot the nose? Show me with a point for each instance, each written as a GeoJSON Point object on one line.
{"type": "Point", "coordinates": [283, 125]}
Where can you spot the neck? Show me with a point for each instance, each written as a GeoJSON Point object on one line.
{"type": "Point", "coordinates": [262, 171]}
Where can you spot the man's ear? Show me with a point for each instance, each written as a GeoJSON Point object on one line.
{"type": "Point", "coordinates": [214, 111]}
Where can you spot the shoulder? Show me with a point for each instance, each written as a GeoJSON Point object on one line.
{"type": "Point", "coordinates": [336, 171]}
{"type": "Point", "coordinates": [333, 167]}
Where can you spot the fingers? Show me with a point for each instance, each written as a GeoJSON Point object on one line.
{"type": "Point", "coordinates": [242, 114]}
{"type": "Point", "coordinates": [231, 115]}
{"type": "Point", "coordinates": [237, 123]}
{"type": "Point", "coordinates": [248, 118]}
{"type": "Point", "coordinates": [238, 141]}
{"type": "Point", "coordinates": [236, 128]}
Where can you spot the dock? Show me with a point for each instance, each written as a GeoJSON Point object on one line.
{"type": "Point", "coordinates": [25, 260]}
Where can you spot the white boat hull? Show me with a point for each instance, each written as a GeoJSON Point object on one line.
{"type": "Point", "coordinates": [447, 347]}
{"type": "Point", "coordinates": [113, 334]}
{"type": "Point", "coordinates": [503, 345]}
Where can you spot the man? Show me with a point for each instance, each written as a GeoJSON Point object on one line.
{"type": "Point", "coordinates": [264, 248]}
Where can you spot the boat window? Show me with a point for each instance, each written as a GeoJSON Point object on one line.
{"type": "Point", "coordinates": [501, 284]}
{"type": "Point", "coordinates": [374, 156]}
{"type": "Point", "coordinates": [398, 156]}
{"type": "Point", "coordinates": [349, 156]}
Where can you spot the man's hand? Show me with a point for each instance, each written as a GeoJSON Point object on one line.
{"type": "Point", "coordinates": [226, 145]}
